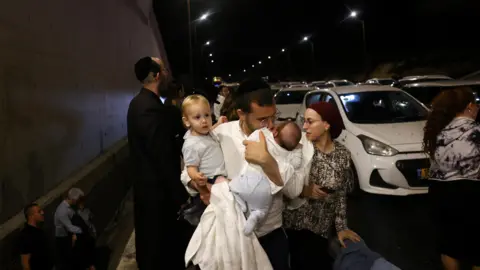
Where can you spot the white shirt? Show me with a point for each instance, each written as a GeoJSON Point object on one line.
{"type": "Point", "coordinates": [231, 137]}
{"type": "Point", "coordinates": [203, 152]}
{"type": "Point", "coordinates": [218, 106]}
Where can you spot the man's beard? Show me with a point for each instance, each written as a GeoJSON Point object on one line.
{"type": "Point", "coordinates": [164, 88]}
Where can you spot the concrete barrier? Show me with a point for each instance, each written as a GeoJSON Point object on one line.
{"type": "Point", "coordinates": [105, 181]}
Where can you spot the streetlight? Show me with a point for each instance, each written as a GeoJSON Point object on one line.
{"type": "Point", "coordinates": [253, 66]}
{"type": "Point", "coordinates": [210, 55]}
{"type": "Point", "coordinates": [244, 70]}
{"type": "Point", "coordinates": [207, 43]}
{"type": "Point", "coordinates": [259, 62]}
{"type": "Point", "coordinates": [283, 50]}
{"type": "Point", "coordinates": [269, 57]}
{"type": "Point", "coordinates": [212, 61]}
{"type": "Point", "coordinates": [307, 39]}
{"type": "Point", "coordinates": [229, 75]}
{"type": "Point", "coordinates": [353, 14]}
{"type": "Point", "coordinates": [203, 17]}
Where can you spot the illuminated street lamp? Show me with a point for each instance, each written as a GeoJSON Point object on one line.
{"type": "Point", "coordinates": [244, 70]}
{"type": "Point", "coordinates": [212, 61]}
{"type": "Point", "coordinates": [210, 55]}
{"type": "Point", "coordinates": [283, 50]}
{"type": "Point", "coordinates": [307, 39]}
{"type": "Point", "coordinates": [354, 15]}
{"type": "Point", "coordinates": [203, 17]}
{"type": "Point", "coordinates": [229, 75]}
{"type": "Point", "coordinates": [253, 66]}
{"type": "Point", "coordinates": [269, 57]}
{"type": "Point", "coordinates": [207, 43]}
{"type": "Point", "coordinates": [259, 62]}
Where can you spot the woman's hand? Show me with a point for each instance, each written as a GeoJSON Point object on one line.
{"type": "Point", "coordinates": [257, 152]}
{"type": "Point", "coordinates": [313, 191]}
{"type": "Point", "coordinates": [348, 234]}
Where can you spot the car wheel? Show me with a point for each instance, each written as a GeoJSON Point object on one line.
{"type": "Point", "coordinates": [353, 185]}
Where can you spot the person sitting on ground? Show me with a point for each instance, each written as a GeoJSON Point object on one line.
{"type": "Point", "coordinates": [34, 246]}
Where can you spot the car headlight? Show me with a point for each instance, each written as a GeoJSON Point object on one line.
{"type": "Point", "coordinates": [374, 147]}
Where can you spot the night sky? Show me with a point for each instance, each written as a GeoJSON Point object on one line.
{"type": "Point", "coordinates": [246, 31]}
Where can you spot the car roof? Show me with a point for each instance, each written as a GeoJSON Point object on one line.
{"type": "Point", "coordinates": [343, 80]}
{"type": "Point", "coordinates": [434, 76]}
{"type": "Point", "coordinates": [380, 79]}
{"type": "Point", "coordinates": [443, 83]}
{"type": "Point", "coordinates": [299, 88]}
{"type": "Point", "coordinates": [356, 89]}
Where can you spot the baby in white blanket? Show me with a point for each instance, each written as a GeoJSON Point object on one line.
{"type": "Point", "coordinates": [252, 188]}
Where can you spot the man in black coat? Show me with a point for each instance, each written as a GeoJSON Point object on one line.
{"type": "Point", "coordinates": [154, 139]}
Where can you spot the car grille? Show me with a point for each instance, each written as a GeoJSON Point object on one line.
{"type": "Point", "coordinates": [411, 171]}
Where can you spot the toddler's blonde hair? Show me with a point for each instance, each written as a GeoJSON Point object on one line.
{"type": "Point", "coordinates": [193, 99]}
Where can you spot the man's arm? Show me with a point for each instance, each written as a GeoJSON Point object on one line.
{"type": "Point", "coordinates": [25, 251]}
{"type": "Point", "coordinates": [64, 219]}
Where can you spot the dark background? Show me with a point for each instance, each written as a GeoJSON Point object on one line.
{"type": "Point", "coordinates": [246, 31]}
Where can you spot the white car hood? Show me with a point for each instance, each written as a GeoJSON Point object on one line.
{"type": "Point", "coordinates": [288, 110]}
{"type": "Point", "coordinates": [393, 134]}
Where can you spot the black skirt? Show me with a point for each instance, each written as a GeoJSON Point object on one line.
{"type": "Point", "coordinates": [455, 209]}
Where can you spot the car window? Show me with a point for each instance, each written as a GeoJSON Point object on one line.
{"type": "Point", "coordinates": [290, 97]}
{"type": "Point", "coordinates": [427, 94]}
{"type": "Point", "coordinates": [343, 83]}
{"type": "Point", "coordinates": [312, 98]}
{"type": "Point", "coordinates": [386, 81]}
{"type": "Point", "coordinates": [378, 107]}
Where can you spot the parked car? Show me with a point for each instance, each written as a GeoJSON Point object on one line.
{"type": "Point", "coordinates": [337, 83]}
{"type": "Point", "coordinates": [288, 101]}
{"type": "Point", "coordinates": [425, 92]}
{"type": "Point", "coordinates": [384, 132]}
{"type": "Point", "coordinates": [423, 78]}
{"type": "Point", "coordinates": [380, 81]}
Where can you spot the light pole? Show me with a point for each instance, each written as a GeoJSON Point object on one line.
{"type": "Point", "coordinates": [353, 14]}
{"type": "Point", "coordinates": [202, 18]}
{"type": "Point", "coordinates": [190, 41]}
{"type": "Point", "coordinates": [307, 39]}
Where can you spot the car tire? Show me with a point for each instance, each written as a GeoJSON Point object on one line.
{"type": "Point", "coordinates": [354, 189]}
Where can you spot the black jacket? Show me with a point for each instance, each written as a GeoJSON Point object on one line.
{"type": "Point", "coordinates": [155, 136]}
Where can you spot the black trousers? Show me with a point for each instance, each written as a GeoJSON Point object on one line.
{"type": "Point", "coordinates": [275, 245]}
{"type": "Point", "coordinates": [308, 251]}
{"type": "Point", "coordinates": [160, 239]}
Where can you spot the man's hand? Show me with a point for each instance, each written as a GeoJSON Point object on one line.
{"type": "Point", "coordinates": [200, 179]}
{"type": "Point", "coordinates": [257, 152]}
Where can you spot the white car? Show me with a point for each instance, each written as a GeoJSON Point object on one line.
{"type": "Point", "coordinates": [337, 83]}
{"type": "Point", "coordinates": [425, 92]}
{"type": "Point", "coordinates": [288, 101]}
{"type": "Point", "coordinates": [423, 78]}
{"type": "Point", "coordinates": [384, 132]}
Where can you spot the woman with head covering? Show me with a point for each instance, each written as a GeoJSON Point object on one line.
{"type": "Point", "coordinates": [322, 210]}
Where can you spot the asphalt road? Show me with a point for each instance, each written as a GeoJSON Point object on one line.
{"type": "Point", "coordinates": [399, 228]}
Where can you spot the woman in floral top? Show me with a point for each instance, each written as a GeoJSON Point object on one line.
{"type": "Point", "coordinates": [324, 204]}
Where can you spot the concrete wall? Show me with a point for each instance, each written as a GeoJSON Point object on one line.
{"type": "Point", "coordinates": [66, 78]}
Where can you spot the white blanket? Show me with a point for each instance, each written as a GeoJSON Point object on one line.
{"type": "Point", "coordinates": [218, 243]}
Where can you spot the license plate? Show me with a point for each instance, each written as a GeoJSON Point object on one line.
{"type": "Point", "coordinates": [423, 173]}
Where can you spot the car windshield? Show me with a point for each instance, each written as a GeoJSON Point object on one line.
{"type": "Point", "coordinates": [290, 97]}
{"type": "Point", "coordinates": [427, 94]}
{"type": "Point", "coordinates": [385, 81]}
{"type": "Point", "coordinates": [380, 107]}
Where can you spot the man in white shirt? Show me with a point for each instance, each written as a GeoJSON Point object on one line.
{"type": "Point", "coordinates": [256, 109]}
